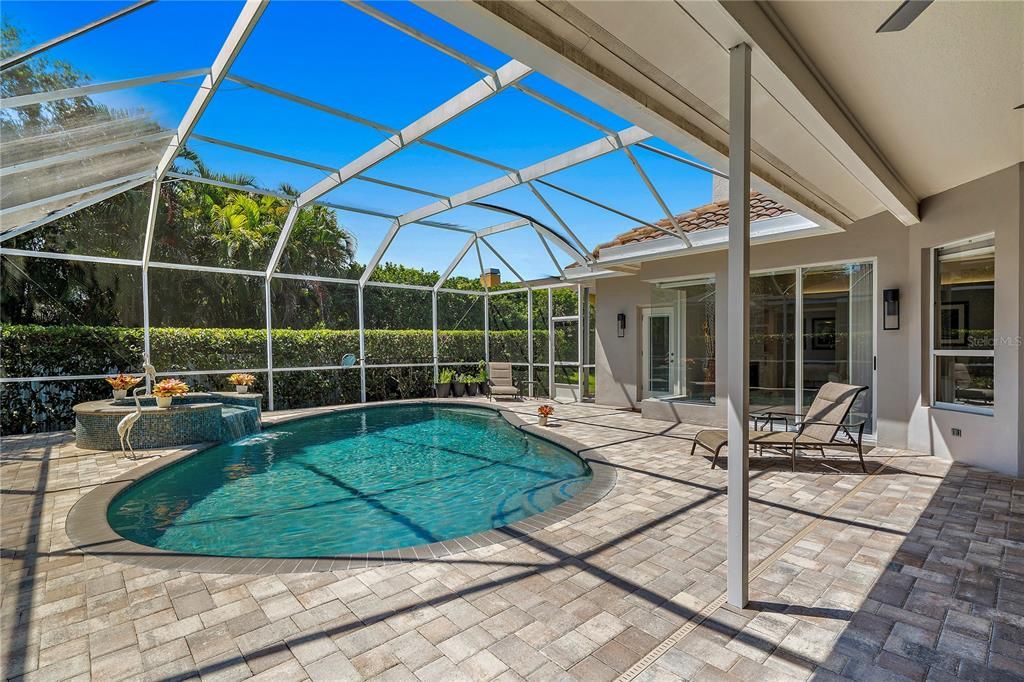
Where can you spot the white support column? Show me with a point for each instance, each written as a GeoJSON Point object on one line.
{"type": "Point", "coordinates": [433, 328]}
{"type": "Point", "coordinates": [487, 304]}
{"type": "Point", "coordinates": [580, 315]}
{"type": "Point", "coordinates": [737, 348]}
{"type": "Point", "coordinates": [145, 325]}
{"type": "Point", "coordinates": [551, 348]}
{"type": "Point", "coordinates": [798, 346]}
{"type": "Point", "coordinates": [270, 345]}
{"type": "Point", "coordinates": [487, 326]}
{"type": "Point", "coordinates": [362, 347]}
{"type": "Point", "coordinates": [529, 338]}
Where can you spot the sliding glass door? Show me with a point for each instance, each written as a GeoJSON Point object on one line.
{"type": "Point", "coordinates": [773, 340]}
{"type": "Point", "coordinates": [838, 330]}
{"type": "Point", "coordinates": [809, 326]}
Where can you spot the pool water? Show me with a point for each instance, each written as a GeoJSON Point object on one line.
{"type": "Point", "coordinates": [350, 482]}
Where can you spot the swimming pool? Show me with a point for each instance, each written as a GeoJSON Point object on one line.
{"type": "Point", "coordinates": [350, 482]}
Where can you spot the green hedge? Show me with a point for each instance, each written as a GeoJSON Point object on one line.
{"type": "Point", "coordinates": [34, 350]}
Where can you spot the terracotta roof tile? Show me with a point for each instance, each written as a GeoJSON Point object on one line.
{"type": "Point", "coordinates": [706, 217]}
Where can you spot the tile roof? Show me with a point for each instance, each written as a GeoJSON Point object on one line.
{"type": "Point", "coordinates": [706, 217]}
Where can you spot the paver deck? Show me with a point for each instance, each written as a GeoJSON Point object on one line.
{"type": "Point", "coordinates": [913, 571]}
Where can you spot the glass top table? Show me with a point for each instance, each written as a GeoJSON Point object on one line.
{"type": "Point", "coordinates": [790, 415]}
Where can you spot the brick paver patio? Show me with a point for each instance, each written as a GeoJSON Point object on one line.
{"type": "Point", "coordinates": [914, 571]}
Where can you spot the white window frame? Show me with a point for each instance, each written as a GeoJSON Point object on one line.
{"type": "Point", "coordinates": [934, 353]}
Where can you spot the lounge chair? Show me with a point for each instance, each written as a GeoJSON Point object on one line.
{"type": "Point", "coordinates": [826, 424]}
{"type": "Point", "coordinates": [500, 382]}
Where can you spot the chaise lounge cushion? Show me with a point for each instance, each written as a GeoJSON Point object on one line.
{"type": "Point", "coordinates": [504, 390]}
{"type": "Point", "coordinates": [715, 439]}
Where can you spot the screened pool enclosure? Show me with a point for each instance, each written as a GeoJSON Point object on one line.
{"type": "Point", "coordinates": [268, 203]}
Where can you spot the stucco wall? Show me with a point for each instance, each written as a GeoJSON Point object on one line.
{"type": "Point", "coordinates": [991, 204]}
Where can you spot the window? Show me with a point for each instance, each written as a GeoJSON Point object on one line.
{"type": "Point", "coordinates": [963, 328]}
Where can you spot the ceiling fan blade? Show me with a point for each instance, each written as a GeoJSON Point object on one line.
{"type": "Point", "coordinates": [1019, 106]}
{"type": "Point", "coordinates": [903, 16]}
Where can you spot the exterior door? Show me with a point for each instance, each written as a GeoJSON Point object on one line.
{"type": "Point", "coordinates": [658, 353]}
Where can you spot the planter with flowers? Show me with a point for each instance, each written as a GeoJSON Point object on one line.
{"type": "Point", "coordinates": [545, 411]}
{"type": "Point", "coordinates": [167, 389]}
{"type": "Point", "coordinates": [123, 383]}
{"type": "Point", "coordinates": [241, 382]}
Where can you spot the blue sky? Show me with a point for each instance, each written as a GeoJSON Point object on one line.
{"type": "Point", "coordinates": [331, 53]}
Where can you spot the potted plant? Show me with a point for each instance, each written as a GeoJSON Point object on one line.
{"type": "Point", "coordinates": [458, 385]}
{"type": "Point", "coordinates": [472, 384]}
{"type": "Point", "coordinates": [241, 382]}
{"type": "Point", "coordinates": [122, 383]}
{"type": "Point", "coordinates": [443, 387]}
{"type": "Point", "coordinates": [167, 389]}
{"type": "Point", "coordinates": [545, 411]}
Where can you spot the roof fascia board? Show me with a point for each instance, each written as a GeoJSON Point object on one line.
{"type": "Point", "coordinates": [783, 69]}
{"type": "Point", "coordinates": [557, 40]}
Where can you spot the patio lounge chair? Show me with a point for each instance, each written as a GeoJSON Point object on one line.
{"type": "Point", "coordinates": [500, 382]}
{"type": "Point", "coordinates": [826, 424]}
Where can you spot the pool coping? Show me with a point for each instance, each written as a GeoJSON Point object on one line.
{"type": "Point", "coordinates": [88, 529]}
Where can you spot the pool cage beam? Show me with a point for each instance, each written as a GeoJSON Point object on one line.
{"type": "Point", "coordinates": [229, 51]}
{"type": "Point", "coordinates": [669, 215]}
{"type": "Point", "coordinates": [97, 88]}
{"type": "Point", "coordinates": [534, 172]}
{"type": "Point", "coordinates": [472, 157]}
{"type": "Point", "coordinates": [214, 76]}
{"type": "Point", "coordinates": [476, 94]}
{"type": "Point", "coordinates": [63, 38]}
{"type": "Point", "coordinates": [127, 183]}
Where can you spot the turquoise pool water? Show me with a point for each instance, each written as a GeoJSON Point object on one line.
{"type": "Point", "coordinates": [350, 482]}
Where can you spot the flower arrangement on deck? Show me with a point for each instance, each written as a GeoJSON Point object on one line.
{"type": "Point", "coordinates": [241, 382]}
{"type": "Point", "coordinates": [545, 411]}
{"type": "Point", "coordinates": [122, 383]}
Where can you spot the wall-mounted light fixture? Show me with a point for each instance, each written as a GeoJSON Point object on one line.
{"type": "Point", "coordinates": [620, 324]}
{"type": "Point", "coordinates": [891, 309]}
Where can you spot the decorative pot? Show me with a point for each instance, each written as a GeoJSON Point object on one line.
{"type": "Point", "coordinates": [458, 388]}
{"type": "Point", "coordinates": [471, 388]}
{"type": "Point", "coordinates": [484, 386]}
{"type": "Point", "coordinates": [164, 400]}
{"type": "Point", "coordinates": [442, 390]}
{"type": "Point", "coordinates": [543, 420]}
{"type": "Point", "coordinates": [239, 388]}
{"type": "Point", "coordinates": [120, 393]}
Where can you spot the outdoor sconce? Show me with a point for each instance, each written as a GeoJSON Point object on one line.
{"type": "Point", "coordinates": [620, 324]}
{"type": "Point", "coordinates": [891, 309]}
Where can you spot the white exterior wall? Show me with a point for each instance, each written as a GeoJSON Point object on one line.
{"type": "Point", "coordinates": [901, 255]}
